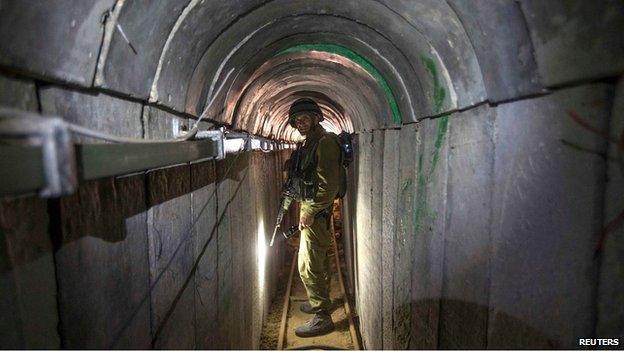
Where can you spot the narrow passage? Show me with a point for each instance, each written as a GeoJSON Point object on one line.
{"type": "Point", "coordinates": [278, 331]}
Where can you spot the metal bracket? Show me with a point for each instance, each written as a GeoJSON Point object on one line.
{"type": "Point", "coordinates": [54, 139]}
{"type": "Point", "coordinates": [218, 137]}
{"type": "Point", "coordinates": [37, 153]}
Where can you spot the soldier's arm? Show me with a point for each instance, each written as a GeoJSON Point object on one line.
{"type": "Point", "coordinates": [328, 173]}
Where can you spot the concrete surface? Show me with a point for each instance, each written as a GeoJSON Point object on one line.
{"type": "Point", "coordinates": [482, 183]}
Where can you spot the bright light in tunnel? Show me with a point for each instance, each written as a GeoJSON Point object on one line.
{"type": "Point", "coordinates": [296, 137]}
{"type": "Point", "coordinates": [256, 144]}
{"type": "Point", "coordinates": [327, 125]}
{"type": "Point", "coordinates": [234, 145]}
{"type": "Point", "coordinates": [261, 250]}
{"type": "Point", "coordinates": [330, 127]}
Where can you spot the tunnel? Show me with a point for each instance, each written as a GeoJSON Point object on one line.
{"type": "Point", "coordinates": [484, 203]}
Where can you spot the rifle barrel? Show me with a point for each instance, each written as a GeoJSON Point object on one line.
{"type": "Point", "coordinates": [286, 200]}
{"type": "Point", "coordinates": [274, 232]}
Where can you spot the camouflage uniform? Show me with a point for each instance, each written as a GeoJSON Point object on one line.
{"type": "Point", "coordinates": [316, 240]}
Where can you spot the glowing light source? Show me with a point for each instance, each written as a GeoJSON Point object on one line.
{"type": "Point", "coordinates": [261, 250]}
{"type": "Point", "coordinates": [234, 145]}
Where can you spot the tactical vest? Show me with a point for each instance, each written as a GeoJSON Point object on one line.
{"type": "Point", "coordinates": [305, 168]}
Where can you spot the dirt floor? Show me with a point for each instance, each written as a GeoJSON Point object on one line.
{"type": "Point", "coordinates": [340, 338]}
{"type": "Point", "coordinates": [270, 329]}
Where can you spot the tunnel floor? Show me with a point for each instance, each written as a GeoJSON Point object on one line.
{"type": "Point", "coordinates": [340, 338]}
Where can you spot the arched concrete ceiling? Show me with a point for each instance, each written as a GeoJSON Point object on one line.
{"type": "Point", "coordinates": [349, 96]}
{"type": "Point", "coordinates": [434, 56]}
{"type": "Point", "coordinates": [370, 22]}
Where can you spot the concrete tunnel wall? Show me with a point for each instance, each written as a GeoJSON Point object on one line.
{"type": "Point", "coordinates": [479, 191]}
{"type": "Point", "coordinates": [119, 264]}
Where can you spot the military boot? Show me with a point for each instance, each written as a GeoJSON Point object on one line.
{"type": "Point", "coordinates": [320, 324]}
{"type": "Point", "coordinates": [307, 308]}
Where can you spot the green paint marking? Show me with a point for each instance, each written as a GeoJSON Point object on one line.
{"type": "Point", "coordinates": [405, 201]}
{"type": "Point", "coordinates": [439, 93]}
{"type": "Point", "coordinates": [440, 133]}
{"type": "Point", "coordinates": [421, 211]}
{"type": "Point", "coordinates": [406, 195]}
{"type": "Point", "coordinates": [434, 215]}
{"type": "Point", "coordinates": [420, 205]}
{"type": "Point", "coordinates": [361, 61]}
{"type": "Point", "coordinates": [406, 185]}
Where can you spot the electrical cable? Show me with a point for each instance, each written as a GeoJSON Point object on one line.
{"type": "Point", "coordinates": [117, 139]}
{"type": "Point", "coordinates": [195, 128]}
{"type": "Point", "coordinates": [77, 129]}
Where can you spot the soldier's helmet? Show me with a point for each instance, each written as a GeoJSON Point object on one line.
{"type": "Point", "coordinates": [301, 105]}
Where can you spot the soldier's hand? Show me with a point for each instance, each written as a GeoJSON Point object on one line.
{"type": "Point", "coordinates": [293, 242]}
{"type": "Point", "coordinates": [305, 220]}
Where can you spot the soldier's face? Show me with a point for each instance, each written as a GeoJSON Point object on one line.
{"type": "Point", "coordinates": [304, 122]}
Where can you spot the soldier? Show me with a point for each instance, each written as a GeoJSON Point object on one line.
{"type": "Point", "coordinates": [320, 169]}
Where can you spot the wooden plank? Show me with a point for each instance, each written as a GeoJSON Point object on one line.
{"type": "Point", "coordinates": [204, 212]}
{"type": "Point", "coordinates": [610, 287]}
{"type": "Point", "coordinates": [548, 211]}
{"type": "Point", "coordinates": [102, 265]}
{"type": "Point", "coordinates": [375, 242]}
{"type": "Point", "coordinates": [467, 244]}
{"type": "Point", "coordinates": [409, 143]}
{"type": "Point", "coordinates": [257, 264]}
{"type": "Point", "coordinates": [429, 218]}
{"type": "Point", "coordinates": [103, 300]}
{"type": "Point", "coordinates": [364, 200]}
{"type": "Point", "coordinates": [39, 268]}
{"type": "Point", "coordinates": [27, 278]}
{"type": "Point", "coordinates": [389, 176]}
{"type": "Point", "coordinates": [251, 299]}
{"type": "Point", "coordinates": [171, 255]}
{"type": "Point", "coordinates": [238, 174]}
{"type": "Point", "coordinates": [224, 247]}
{"type": "Point", "coordinates": [262, 177]}
{"type": "Point", "coordinates": [171, 242]}
{"type": "Point", "coordinates": [355, 339]}
{"type": "Point", "coordinates": [172, 335]}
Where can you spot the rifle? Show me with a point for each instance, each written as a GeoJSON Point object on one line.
{"type": "Point", "coordinates": [290, 192]}
{"type": "Point", "coordinates": [287, 198]}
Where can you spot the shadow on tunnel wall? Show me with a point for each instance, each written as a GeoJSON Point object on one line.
{"type": "Point", "coordinates": [26, 275]}
{"type": "Point", "coordinates": [105, 282]}
{"type": "Point", "coordinates": [103, 206]}
{"type": "Point", "coordinates": [99, 209]}
{"type": "Point", "coordinates": [151, 306]}
{"type": "Point", "coordinates": [205, 175]}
